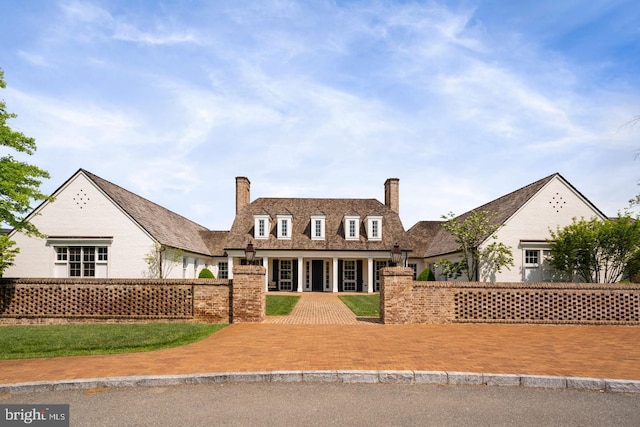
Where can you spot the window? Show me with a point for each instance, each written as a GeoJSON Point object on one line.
{"type": "Point", "coordinates": [223, 270]}
{"type": "Point", "coordinates": [286, 275]}
{"type": "Point", "coordinates": [317, 227]}
{"type": "Point", "coordinates": [349, 276]}
{"type": "Point", "coordinates": [379, 265]}
{"type": "Point", "coordinates": [352, 227]}
{"type": "Point", "coordinates": [531, 258]}
{"type": "Point", "coordinates": [414, 267]}
{"type": "Point", "coordinates": [102, 254]}
{"type": "Point", "coordinates": [374, 227]}
{"type": "Point", "coordinates": [262, 226]}
{"type": "Point", "coordinates": [81, 260]}
{"type": "Point", "coordinates": [284, 226]}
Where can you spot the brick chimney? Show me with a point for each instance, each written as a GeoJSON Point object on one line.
{"type": "Point", "coordinates": [392, 194]}
{"type": "Point", "coordinates": [243, 192]}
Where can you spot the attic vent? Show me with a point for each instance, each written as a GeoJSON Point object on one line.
{"type": "Point", "coordinates": [557, 202]}
{"type": "Point", "coordinates": [81, 199]}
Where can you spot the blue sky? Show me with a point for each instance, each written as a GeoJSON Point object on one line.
{"type": "Point", "coordinates": [463, 101]}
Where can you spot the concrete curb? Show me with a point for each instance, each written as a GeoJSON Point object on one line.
{"type": "Point", "coordinates": [338, 376]}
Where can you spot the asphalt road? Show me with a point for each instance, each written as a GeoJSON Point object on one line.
{"type": "Point", "coordinates": [313, 404]}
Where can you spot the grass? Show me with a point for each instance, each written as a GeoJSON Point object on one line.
{"type": "Point", "coordinates": [21, 342]}
{"type": "Point", "coordinates": [281, 305]}
{"type": "Point", "coordinates": [363, 305]}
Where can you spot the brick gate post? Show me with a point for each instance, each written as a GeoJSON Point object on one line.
{"type": "Point", "coordinates": [248, 300]}
{"type": "Point", "coordinates": [396, 295]}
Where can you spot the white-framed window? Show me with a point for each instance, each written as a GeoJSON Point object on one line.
{"type": "Point", "coordinates": [531, 258]}
{"type": "Point", "coordinates": [379, 265]}
{"type": "Point", "coordinates": [285, 274]}
{"type": "Point", "coordinates": [349, 276]}
{"type": "Point", "coordinates": [374, 227]}
{"type": "Point", "coordinates": [223, 270]}
{"type": "Point", "coordinates": [352, 227]}
{"type": "Point", "coordinates": [317, 227]}
{"type": "Point", "coordinates": [82, 261]}
{"type": "Point", "coordinates": [414, 267]}
{"type": "Point", "coordinates": [284, 226]}
{"type": "Point", "coordinates": [262, 226]}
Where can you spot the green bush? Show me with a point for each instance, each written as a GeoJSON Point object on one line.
{"type": "Point", "coordinates": [426, 275]}
{"type": "Point", "coordinates": [205, 273]}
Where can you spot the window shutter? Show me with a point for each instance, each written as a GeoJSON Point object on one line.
{"type": "Point", "coordinates": [359, 273]}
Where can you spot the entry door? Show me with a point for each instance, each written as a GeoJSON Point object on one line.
{"type": "Point", "coordinates": [316, 275]}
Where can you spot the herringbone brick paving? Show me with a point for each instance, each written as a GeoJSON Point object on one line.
{"type": "Point", "coordinates": [317, 308]}
{"type": "Point", "coordinates": [581, 351]}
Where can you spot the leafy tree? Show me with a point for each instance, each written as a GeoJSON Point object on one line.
{"type": "Point", "coordinates": [596, 251]}
{"type": "Point", "coordinates": [161, 260]}
{"type": "Point", "coordinates": [19, 183]}
{"type": "Point", "coordinates": [470, 232]}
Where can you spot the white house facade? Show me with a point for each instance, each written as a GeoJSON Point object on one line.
{"type": "Point", "coordinates": [95, 228]}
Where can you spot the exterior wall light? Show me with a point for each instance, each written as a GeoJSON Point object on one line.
{"type": "Point", "coordinates": [396, 255]}
{"type": "Point", "coordinates": [250, 253]}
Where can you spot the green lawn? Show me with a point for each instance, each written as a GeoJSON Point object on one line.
{"type": "Point", "coordinates": [280, 305]}
{"type": "Point", "coordinates": [20, 342]}
{"type": "Point", "coordinates": [363, 305]}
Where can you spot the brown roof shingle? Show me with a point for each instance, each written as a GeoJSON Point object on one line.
{"type": "Point", "coordinates": [301, 210]}
{"type": "Point", "coordinates": [167, 227]}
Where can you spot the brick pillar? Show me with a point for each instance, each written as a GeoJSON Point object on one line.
{"type": "Point", "coordinates": [396, 299]}
{"type": "Point", "coordinates": [248, 300]}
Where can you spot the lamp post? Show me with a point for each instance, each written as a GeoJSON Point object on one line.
{"type": "Point", "coordinates": [250, 253]}
{"type": "Point", "coordinates": [396, 255]}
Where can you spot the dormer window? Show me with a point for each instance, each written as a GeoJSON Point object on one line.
{"type": "Point", "coordinates": [284, 226]}
{"type": "Point", "coordinates": [262, 227]}
{"type": "Point", "coordinates": [351, 227]}
{"type": "Point", "coordinates": [317, 227]}
{"type": "Point", "coordinates": [374, 227]}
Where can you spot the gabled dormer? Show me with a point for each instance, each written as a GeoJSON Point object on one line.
{"type": "Point", "coordinates": [374, 227]}
{"type": "Point", "coordinates": [318, 226]}
{"type": "Point", "coordinates": [284, 226]}
{"type": "Point", "coordinates": [351, 227]}
{"type": "Point", "coordinates": [262, 226]}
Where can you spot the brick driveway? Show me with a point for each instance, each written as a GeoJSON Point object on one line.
{"type": "Point", "coordinates": [582, 351]}
{"type": "Point", "coordinates": [318, 308]}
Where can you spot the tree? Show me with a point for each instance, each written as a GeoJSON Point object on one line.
{"type": "Point", "coordinates": [19, 183]}
{"type": "Point", "coordinates": [161, 260]}
{"type": "Point", "coordinates": [596, 251]}
{"type": "Point", "coordinates": [470, 232]}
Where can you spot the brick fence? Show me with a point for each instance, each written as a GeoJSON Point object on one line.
{"type": "Point", "coordinates": [51, 301]}
{"type": "Point", "coordinates": [403, 301]}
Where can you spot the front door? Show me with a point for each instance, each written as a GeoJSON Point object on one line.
{"type": "Point", "coordinates": [316, 275]}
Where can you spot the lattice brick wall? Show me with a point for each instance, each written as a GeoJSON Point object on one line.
{"type": "Point", "coordinates": [547, 306]}
{"type": "Point", "coordinates": [97, 301]}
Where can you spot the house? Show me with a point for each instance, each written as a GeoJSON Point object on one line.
{"type": "Point", "coordinates": [308, 244]}
{"type": "Point", "coordinates": [525, 216]}
{"type": "Point", "coordinates": [95, 228]}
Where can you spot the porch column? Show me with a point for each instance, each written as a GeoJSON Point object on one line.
{"type": "Point", "coordinates": [334, 282]}
{"type": "Point", "coordinates": [370, 275]}
{"type": "Point", "coordinates": [230, 266]}
{"type": "Point", "coordinates": [265, 264]}
{"type": "Point", "coordinates": [300, 273]}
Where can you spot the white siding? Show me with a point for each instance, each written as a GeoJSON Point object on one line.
{"type": "Point", "coordinates": [553, 206]}
{"type": "Point", "coordinates": [80, 209]}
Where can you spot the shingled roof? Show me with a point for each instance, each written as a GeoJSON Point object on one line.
{"type": "Point", "coordinates": [167, 227]}
{"type": "Point", "coordinates": [431, 239]}
{"type": "Point", "coordinates": [301, 210]}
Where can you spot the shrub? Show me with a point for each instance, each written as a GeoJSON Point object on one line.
{"type": "Point", "coordinates": [205, 273]}
{"type": "Point", "coordinates": [426, 275]}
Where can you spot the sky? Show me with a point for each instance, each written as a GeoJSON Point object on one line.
{"type": "Point", "coordinates": [463, 101]}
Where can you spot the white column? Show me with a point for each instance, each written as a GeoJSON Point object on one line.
{"type": "Point", "coordinates": [300, 273]}
{"type": "Point", "coordinates": [265, 264]}
{"type": "Point", "coordinates": [334, 283]}
{"type": "Point", "coordinates": [370, 275]}
{"type": "Point", "coordinates": [230, 266]}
